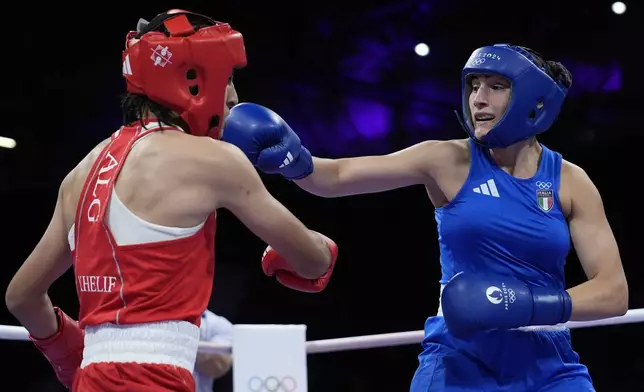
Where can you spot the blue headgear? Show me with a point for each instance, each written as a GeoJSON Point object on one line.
{"type": "Point", "coordinates": [535, 100]}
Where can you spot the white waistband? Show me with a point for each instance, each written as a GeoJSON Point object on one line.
{"type": "Point", "coordinates": [558, 327]}
{"type": "Point", "coordinates": [170, 343]}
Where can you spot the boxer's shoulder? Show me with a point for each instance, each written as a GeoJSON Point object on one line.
{"type": "Point", "coordinates": [441, 154]}
{"type": "Point", "coordinates": [571, 171]}
{"type": "Point", "coordinates": [221, 162]}
{"type": "Point", "coordinates": [575, 185]}
{"type": "Point", "coordinates": [205, 163]}
{"type": "Point", "coordinates": [173, 154]}
{"type": "Point", "coordinates": [186, 171]}
{"type": "Point", "coordinates": [456, 150]}
{"type": "Point", "coordinates": [72, 185]}
{"type": "Point", "coordinates": [85, 165]}
{"type": "Point", "coordinates": [207, 158]}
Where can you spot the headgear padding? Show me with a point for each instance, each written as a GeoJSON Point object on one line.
{"type": "Point", "coordinates": [535, 101]}
{"type": "Point", "coordinates": [186, 69]}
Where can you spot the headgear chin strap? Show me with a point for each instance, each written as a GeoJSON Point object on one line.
{"type": "Point", "coordinates": [535, 100]}
{"type": "Point", "coordinates": [186, 69]}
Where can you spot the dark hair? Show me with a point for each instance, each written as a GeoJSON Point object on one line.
{"type": "Point", "coordinates": [557, 71]}
{"type": "Point", "coordinates": [134, 106]}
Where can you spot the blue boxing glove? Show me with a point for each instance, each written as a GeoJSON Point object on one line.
{"type": "Point", "coordinates": [267, 140]}
{"type": "Point", "coordinates": [473, 303]}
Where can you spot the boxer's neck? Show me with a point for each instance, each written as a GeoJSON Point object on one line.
{"type": "Point", "coordinates": [520, 159]}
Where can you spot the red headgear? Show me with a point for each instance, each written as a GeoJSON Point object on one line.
{"type": "Point", "coordinates": [186, 70]}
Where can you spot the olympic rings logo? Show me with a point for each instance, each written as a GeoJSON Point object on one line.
{"type": "Point", "coordinates": [544, 185]}
{"type": "Point", "coordinates": [511, 296]}
{"type": "Point", "coordinates": [272, 384]}
{"type": "Point", "coordinates": [478, 61]}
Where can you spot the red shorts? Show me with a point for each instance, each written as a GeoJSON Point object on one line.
{"type": "Point", "coordinates": [133, 377]}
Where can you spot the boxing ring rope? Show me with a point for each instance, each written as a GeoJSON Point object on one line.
{"type": "Point", "coordinates": [9, 332]}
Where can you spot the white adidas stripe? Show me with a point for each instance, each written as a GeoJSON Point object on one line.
{"type": "Point", "coordinates": [127, 68]}
{"type": "Point", "coordinates": [487, 188]}
{"type": "Point", "coordinates": [287, 160]}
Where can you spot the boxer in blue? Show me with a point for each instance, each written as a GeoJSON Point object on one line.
{"type": "Point", "coordinates": [507, 209]}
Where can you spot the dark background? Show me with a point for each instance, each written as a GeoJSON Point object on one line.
{"type": "Point", "coordinates": [345, 75]}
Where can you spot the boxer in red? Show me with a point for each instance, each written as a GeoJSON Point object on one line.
{"type": "Point", "coordinates": [136, 219]}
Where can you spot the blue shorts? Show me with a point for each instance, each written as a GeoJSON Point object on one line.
{"type": "Point", "coordinates": [499, 361]}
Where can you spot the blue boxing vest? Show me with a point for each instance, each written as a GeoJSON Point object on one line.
{"type": "Point", "coordinates": [500, 224]}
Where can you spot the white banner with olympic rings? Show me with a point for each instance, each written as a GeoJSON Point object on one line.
{"type": "Point", "coordinates": [269, 358]}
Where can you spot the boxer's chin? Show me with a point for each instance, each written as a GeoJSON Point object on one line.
{"type": "Point", "coordinates": [482, 130]}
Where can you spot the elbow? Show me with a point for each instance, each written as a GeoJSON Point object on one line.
{"type": "Point", "coordinates": [13, 299]}
{"type": "Point", "coordinates": [615, 296]}
{"type": "Point", "coordinates": [20, 295]}
{"type": "Point", "coordinates": [620, 297]}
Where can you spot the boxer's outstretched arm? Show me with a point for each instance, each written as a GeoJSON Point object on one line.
{"type": "Point", "coordinates": [372, 174]}
{"type": "Point", "coordinates": [605, 294]}
{"type": "Point", "coordinates": [26, 296]}
{"type": "Point", "coordinates": [242, 192]}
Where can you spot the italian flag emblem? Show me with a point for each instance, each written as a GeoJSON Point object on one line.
{"type": "Point", "coordinates": [545, 199]}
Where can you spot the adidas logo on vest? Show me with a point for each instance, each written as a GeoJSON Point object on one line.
{"type": "Point", "coordinates": [487, 188]}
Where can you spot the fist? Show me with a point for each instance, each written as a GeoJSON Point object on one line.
{"type": "Point", "coordinates": [265, 138]}
{"type": "Point", "coordinates": [275, 265]}
{"type": "Point", "coordinates": [64, 349]}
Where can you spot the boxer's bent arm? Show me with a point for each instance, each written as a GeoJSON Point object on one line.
{"type": "Point", "coordinates": [371, 174]}
{"type": "Point", "coordinates": [243, 193]}
{"type": "Point", "coordinates": [26, 296]}
{"type": "Point", "coordinates": [605, 294]}
{"type": "Point", "coordinates": [215, 329]}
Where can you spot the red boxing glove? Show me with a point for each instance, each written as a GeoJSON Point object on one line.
{"type": "Point", "coordinates": [275, 265]}
{"type": "Point", "coordinates": [64, 349]}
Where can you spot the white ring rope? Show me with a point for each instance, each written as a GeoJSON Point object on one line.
{"type": "Point", "coordinates": [10, 332]}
